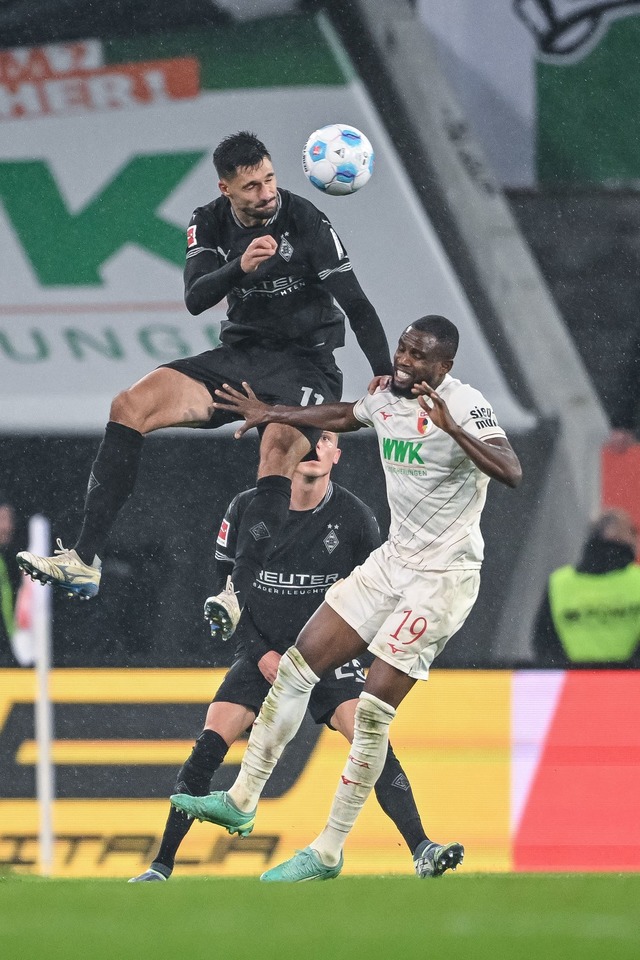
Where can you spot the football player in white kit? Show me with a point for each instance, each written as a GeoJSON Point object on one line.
{"type": "Point", "coordinates": [439, 444]}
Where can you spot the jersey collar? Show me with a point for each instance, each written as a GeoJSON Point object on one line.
{"type": "Point", "coordinates": [326, 498]}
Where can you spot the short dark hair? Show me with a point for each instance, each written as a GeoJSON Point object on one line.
{"type": "Point", "coordinates": [445, 332]}
{"type": "Point", "coordinates": [241, 149]}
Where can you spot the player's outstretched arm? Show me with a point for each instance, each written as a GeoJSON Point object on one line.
{"type": "Point", "coordinates": [495, 457]}
{"type": "Point", "coordinates": [337, 417]}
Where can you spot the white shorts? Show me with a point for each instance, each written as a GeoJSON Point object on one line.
{"type": "Point", "coordinates": [404, 616]}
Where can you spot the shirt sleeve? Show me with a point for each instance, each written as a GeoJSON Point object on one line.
{"type": "Point", "coordinates": [327, 254]}
{"type": "Point", "coordinates": [363, 409]}
{"type": "Point", "coordinates": [475, 415]}
{"type": "Point", "coordinates": [226, 542]}
{"type": "Point", "coordinates": [207, 277]}
{"type": "Point", "coordinates": [363, 320]}
{"type": "Point", "coordinates": [330, 260]}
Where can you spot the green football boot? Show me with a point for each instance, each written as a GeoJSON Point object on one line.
{"type": "Point", "coordinates": [217, 808]}
{"type": "Point", "coordinates": [304, 865]}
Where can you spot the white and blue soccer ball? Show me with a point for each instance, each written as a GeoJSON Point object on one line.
{"type": "Point", "coordinates": [338, 159]}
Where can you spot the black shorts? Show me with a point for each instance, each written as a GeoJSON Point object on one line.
{"type": "Point", "coordinates": [275, 375]}
{"type": "Point", "coordinates": [245, 685]}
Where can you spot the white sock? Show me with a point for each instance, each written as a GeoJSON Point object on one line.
{"type": "Point", "coordinates": [277, 723]}
{"type": "Point", "coordinates": [366, 760]}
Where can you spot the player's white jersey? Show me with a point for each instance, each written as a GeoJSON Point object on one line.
{"type": "Point", "coordinates": [435, 492]}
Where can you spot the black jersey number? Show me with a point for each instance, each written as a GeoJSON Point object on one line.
{"type": "Point", "coordinates": [307, 394]}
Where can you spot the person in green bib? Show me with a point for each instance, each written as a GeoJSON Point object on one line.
{"type": "Point", "coordinates": [590, 614]}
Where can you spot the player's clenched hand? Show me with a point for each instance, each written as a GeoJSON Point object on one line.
{"type": "Point", "coordinates": [437, 409]}
{"type": "Point", "coordinates": [268, 665]}
{"type": "Point", "coordinates": [257, 252]}
{"type": "Point", "coordinates": [245, 404]}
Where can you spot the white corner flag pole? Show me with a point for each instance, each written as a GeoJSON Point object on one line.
{"type": "Point", "coordinates": [39, 543]}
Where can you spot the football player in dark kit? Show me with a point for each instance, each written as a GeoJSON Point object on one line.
{"type": "Point", "coordinates": [328, 532]}
{"type": "Point", "coordinates": [282, 268]}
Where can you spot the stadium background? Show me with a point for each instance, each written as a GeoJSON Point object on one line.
{"type": "Point", "coordinates": [104, 156]}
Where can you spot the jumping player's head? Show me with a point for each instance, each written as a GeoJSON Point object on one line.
{"type": "Point", "coordinates": [241, 149]}
{"type": "Point", "coordinates": [246, 177]}
{"type": "Point", "coordinates": [425, 351]}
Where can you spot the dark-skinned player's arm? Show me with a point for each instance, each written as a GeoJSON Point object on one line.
{"type": "Point", "coordinates": [337, 417]}
{"type": "Point", "coordinates": [495, 457]}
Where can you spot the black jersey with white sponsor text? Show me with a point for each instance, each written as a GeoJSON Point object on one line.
{"type": "Point", "coordinates": [315, 549]}
{"type": "Point", "coordinates": [290, 300]}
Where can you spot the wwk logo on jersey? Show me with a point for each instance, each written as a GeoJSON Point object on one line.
{"type": "Point", "coordinates": [191, 236]}
{"type": "Point", "coordinates": [402, 451]}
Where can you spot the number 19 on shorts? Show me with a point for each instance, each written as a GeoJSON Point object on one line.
{"type": "Point", "coordinates": [411, 628]}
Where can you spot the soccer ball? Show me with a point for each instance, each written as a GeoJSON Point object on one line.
{"type": "Point", "coordinates": [338, 159]}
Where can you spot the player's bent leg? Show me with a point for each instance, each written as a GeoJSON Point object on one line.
{"type": "Point", "coordinates": [281, 449]}
{"type": "Point", "coordinates": [327, 641]}
{"type": "Point", "coordinates": [193, 779]}
{"type": "Point", "coordinates": [343, 718]}
{"type": "Point", "coordinates": [393, 789]}
{"type": "Point", "coordinates": [222, 612]}
{"type": "Point", "coordinates": [229, 720]}
{"type": "Point", "coordinates": [395, 797]}
{"type": "Point", "coordinates": [162, 398]}
{"type": "Point", "coordinates": [362, 769]}
{"type": "Point", "coordinates": [64, 569]}
{"type": "Point", "coordinates": [278, 721]}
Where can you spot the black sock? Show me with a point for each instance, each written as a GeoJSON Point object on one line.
{"type": "Point", "coordinates": [111, 482]}
{"type": "Point", "coordinates": [194, 778]}
{"type": "Point", "coordinates": [259, 530]}
{"type": "Point", "coordinates": [395, 796]}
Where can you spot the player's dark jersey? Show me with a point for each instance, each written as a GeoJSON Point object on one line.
{"type": "Point", "coordinates": [286, 298]}
{"type": "Point", "coordinates": [289, 299]}
{"type": "Point", "coordinates": [316, 548]}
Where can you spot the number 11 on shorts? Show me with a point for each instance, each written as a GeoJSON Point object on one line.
{"type": "Point", "coordinates": [307, 393]}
